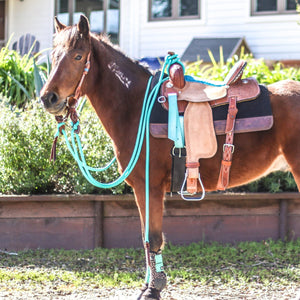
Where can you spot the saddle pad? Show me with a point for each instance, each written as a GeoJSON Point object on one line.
{"type": "Point", "coordinates": [253, 115]}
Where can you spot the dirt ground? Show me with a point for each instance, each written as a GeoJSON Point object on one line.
{"type": "Point", "coordinates": [171, 293]}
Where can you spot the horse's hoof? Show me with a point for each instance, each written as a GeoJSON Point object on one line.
{"type": "Point", "coordinates": [143, 289]}
{"type": "Point", "coordinates": [151, 294]}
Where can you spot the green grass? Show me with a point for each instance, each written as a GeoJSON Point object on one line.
{"type": "Point", "coordinates": [266, 265]}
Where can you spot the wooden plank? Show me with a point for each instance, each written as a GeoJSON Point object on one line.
{"type": "Point", "coordinates": [294, 207]}
{"type": "Point", "coordinates": [186, 208]}
{"type": "Point", "coordinates": [122, 232]}
{"type": "Point", "coordinates": [283, 226]}
{"type": "Point", "coordinates": [224, 207]}
{"type": "Point", "coordinates": [46, 209]}
{"type": "Point", "coordinates": [46, 233]}
{"type": "Point", "coordinates": [120, 209]}
{"type": "Point", "coordinates": [186, 230]}
{"type": "Point", "coordinates": [98, 225]}
{"type": "Point", "coordinates": [125, 232]}
{"type": "Point", "coordinates": [294, 227]}
{"type": "Point", "coordinates": [128, 197]}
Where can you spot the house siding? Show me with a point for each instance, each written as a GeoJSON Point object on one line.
{"type": "Point", "coordinates": [34, 17]}
{"type": "Point", "coordinates": [272, 37]}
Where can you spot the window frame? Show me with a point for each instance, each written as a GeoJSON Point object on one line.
{"type": "Point", "coordinates": [281, 9]}
{"type": "Point", "coordinates": [175, 13]}
{"type": "Point", "coordinates": [71, 11]}
{"type": "Point", "coordinates": [3, 42]}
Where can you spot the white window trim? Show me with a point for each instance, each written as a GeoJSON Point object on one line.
{"type": "Point", "coordinates": [175, 17]}
{"type": "Point", "coordinates": [280, 10]}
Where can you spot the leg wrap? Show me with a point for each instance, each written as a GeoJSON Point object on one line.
{"type": "Point", "coordinates": [158, 278]}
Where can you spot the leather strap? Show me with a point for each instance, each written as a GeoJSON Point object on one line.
{"type": "Point", "coordinates": [228, 147]}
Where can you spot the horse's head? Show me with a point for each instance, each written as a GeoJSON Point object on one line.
{"type": "Point", "coordinates": [71, 48]}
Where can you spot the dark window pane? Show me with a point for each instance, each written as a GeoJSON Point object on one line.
{"type": "Point", "coordinates": [266, 5]}
{"type": "Point", "coordinates": [188, 8]}
{"type": "Point", "coordinates": [291, 4]}
{"type": "Point", "coordinates": [112, 20]}
{"type": "Point", "coordinates": [161, 8]}
{"type": "Point", "coordinates": [63, 11]}
{"type": "Point", "coordinates": [2, 20]}
{"type": "Point", "coordinates": [93, 9]}
{"type": "Point", "coordinates": [63, 6]}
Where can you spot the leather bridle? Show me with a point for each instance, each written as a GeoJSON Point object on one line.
{"type": "Point", "coordinates": [72, 103]}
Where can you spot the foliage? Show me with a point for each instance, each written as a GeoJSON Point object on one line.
{"type": "Point", "coordinates": [265, 74]}
{"type": "Point", "coordinates": [26, 138]}
{"type": "Point", "coordinates": [258, 268]}
{"type": "Point", "coordinates": [257, 68]}
{"type": "Point", "coordinates": [17, 81]}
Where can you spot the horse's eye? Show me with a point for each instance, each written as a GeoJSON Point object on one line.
{"type": "Point", "coordinates": [78, 57]}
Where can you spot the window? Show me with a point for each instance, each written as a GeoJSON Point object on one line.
{"type": "Point", "coordinates": [2, 21]}
{"type": "Point", "coordinates": [174, 9]}
{"type": "Point", "coordinates": [266, 7]}
{"type": "Point", "coordinates": [102, 14]}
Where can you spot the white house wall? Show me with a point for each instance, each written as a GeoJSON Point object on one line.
{"type": "Point", "coordinates": [272, 37]}
{"type": "Point", "coordinates": [31, 16]}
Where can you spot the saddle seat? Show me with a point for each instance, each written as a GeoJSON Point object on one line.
{"type": "Point", "coordinates": [196, 98]}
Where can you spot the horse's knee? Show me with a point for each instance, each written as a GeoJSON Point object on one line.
{"type": "Point", "coordinates": [156, 241]}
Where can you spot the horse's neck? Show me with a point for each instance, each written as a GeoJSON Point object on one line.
{"type": "Point", "coordinates": [116, 90]}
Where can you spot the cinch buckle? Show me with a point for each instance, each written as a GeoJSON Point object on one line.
{"type": "Point", "coordinates": [228, 145]}
{"type": "Point", "coordinates": [181, 152]}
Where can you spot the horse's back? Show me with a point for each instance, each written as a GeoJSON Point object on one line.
{"type": "Point", "coordinates": [285, 88]}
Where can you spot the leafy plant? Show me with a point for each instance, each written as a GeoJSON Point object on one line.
{"type": "Point", "coordinates": [17, 80]}
{"type": "Point", "coordinates": [256, 68]}
{"type": "Point", "coordinates": [26, 139]}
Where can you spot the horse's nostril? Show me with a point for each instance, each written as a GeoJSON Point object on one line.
{"type": "Point", "coordinates": [52, 98]}
{"type": "Point", "coordinates": [49, 98]}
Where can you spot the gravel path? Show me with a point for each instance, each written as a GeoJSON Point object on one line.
{"type": "Point", "coordinates": [172, 293]}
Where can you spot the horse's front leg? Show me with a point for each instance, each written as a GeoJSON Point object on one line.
{"type": "Point", "coordinates": [156, 279]}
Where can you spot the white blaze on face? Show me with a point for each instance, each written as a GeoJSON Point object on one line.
{"type": "Point", "coordinates": [119, 74]}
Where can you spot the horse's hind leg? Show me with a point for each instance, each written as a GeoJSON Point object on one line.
{"type": "Point", "coordinates": [294, 164]}
{"type": "Point", "coordinates": [155, 278]}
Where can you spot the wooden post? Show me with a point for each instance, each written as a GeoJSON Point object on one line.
{"type": "Point", "coordinates": [283, 211]}
{"type": "Point", "coordinates": [98, 225]}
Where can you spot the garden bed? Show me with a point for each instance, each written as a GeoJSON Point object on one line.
{"type": "Point", "coordinates": [90, 221]}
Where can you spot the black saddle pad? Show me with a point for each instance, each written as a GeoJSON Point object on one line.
{"type": "Point", "coordinates": [259, 107]}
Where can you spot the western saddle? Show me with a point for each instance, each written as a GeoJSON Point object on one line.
{"type": "Point", "coordinates": [196, 99]}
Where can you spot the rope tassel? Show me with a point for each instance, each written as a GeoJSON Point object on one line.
{"type": "Point", "coordinates": [60, 128]}
{"type": "Point", "coordinates": [53, 150]}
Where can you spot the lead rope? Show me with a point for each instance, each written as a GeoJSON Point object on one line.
{"type": "Point", "coordinates": [76, 150]}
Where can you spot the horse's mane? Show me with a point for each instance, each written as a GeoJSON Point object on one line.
{"type": "Point", "coordinates": [104, 39]}
{"type": "Point", "coordinates": [71, 38]}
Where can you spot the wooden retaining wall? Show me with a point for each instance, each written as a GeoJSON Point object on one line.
{"type": "Point", "coordinates": [88, 221]}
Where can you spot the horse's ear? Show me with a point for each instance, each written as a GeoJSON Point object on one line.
{"type": "Point", "coordinates": [83, 26]}
{"type": "Point", "coordinates": [58, 26]}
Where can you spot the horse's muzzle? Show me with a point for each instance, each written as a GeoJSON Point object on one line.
{"type": "Point", "coordinates": [52, 104]}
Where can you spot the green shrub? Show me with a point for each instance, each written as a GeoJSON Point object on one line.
{"type": "Point", "coordinates": [17, 80]}
{"type": "Point", "coordinates": [26, 139]}
{"type": "Point", "coordinates": [257, 68]}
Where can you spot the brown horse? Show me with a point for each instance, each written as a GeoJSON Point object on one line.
{"type": "Point", "coordinates": [115, 86]}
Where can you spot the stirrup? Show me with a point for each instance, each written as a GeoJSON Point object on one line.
{"type": "Point", "coordinates": [183, 193]}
